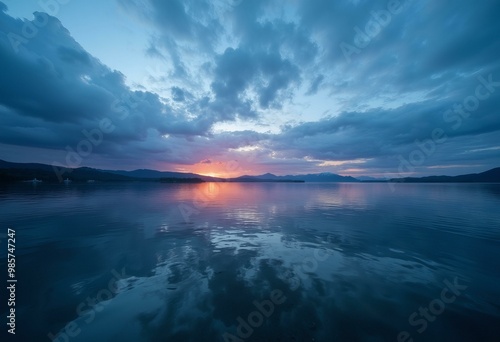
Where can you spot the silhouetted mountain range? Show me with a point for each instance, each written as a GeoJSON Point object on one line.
{"type": "Point", "coordinates": [314, 177]}
{"type": "Point", "coordinates": [17, 172]}
{"type": "Point", "coordinates": [490, 176]}
{"type": "Point", "coordinates": [153, 174]}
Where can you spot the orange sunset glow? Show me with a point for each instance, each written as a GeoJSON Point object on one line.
{"type": "Point", "coordinates": [220, 169]}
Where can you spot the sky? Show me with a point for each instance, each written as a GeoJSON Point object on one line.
{"type": "Point", "coordinates": [231, 87]}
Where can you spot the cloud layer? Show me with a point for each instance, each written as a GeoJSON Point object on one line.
{"type": "Point", "coordinates": [351, 87]}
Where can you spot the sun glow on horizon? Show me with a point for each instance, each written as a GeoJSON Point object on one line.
{"type": "Point", "coordinates": [217, 169]}
{"type": "Point", "coordinates": [211, 174]}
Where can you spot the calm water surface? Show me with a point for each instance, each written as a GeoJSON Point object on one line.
{"type": "Point", "coordinates": [254, 262]}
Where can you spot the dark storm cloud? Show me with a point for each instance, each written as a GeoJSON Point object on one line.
{"type": "Point", "coordinates": [69, 55]}
{"type": "Point", "coordinates": [238, 71]}
{"type": "Point", "coordinates": [313, 89]}
{"type": "Point", "coordinates": [177, 94]}
{"type": "Point", "coordinates": [51, 90]}
{"type": "Point", "coordinates": [234, 72]}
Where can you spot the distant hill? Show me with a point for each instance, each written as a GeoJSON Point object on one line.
{"type": "Point", "coordinates": [8, 165]}
{"type": "Point", "coordinates": [324, 177]}
{"type": "Point", "coordinates": [315, 177]}
{"type": "Point", "coordinates": [251, 179]}
{"type": "Point", "coordinates": [18, 172]}
{"type": "Point", "coordinates": [153, 174]}
{"type": "Point", "coordinates": [490, 176]}
{"type": "Point", "coordinates": [369, 179]}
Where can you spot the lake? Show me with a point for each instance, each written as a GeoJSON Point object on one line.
{"type": "Point", "coordinates": [254, 261]}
